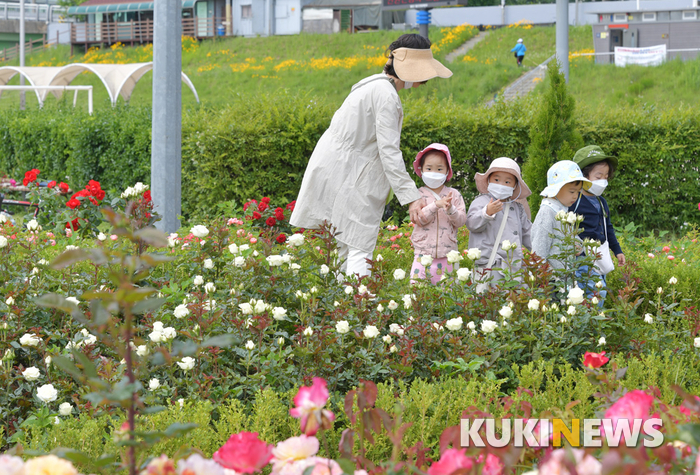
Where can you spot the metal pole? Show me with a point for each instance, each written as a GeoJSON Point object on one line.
{"type": "Point", "coordinates": [166, 142]}
{"type": "Point", "coordinates": [563, 36]}
{"type": "Point", "coordinates": [423, 20]}
{"type": "Point", "coordinates": [22, 97]}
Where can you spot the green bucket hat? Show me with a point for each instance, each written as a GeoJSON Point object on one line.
{"type": "Point", "coordinates": [593, 154]}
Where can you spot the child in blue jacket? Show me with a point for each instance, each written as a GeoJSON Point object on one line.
{"type": "Point", "coordinates": [519, 50]}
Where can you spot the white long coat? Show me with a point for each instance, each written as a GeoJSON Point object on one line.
{"type": "Point", "coordinates": [355, 164]}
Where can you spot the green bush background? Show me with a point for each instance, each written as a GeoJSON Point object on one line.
{"type": "Point", "coordinates": [260, 146]}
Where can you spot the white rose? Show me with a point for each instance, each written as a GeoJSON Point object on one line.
{"type": "Point", "coordinates": [208, 264]}
{"type": "Point", "coordinates": [454, 324]}
{"type": "Point", "coordinates": [324, 269]}
{"type": "Point", "coordinates": [278, 313]}
{"type": "Point", "coordinates": [696, 342]}
{"type": "Point", "coordinates": [595, 301]}
{"type": "Point", "coordinates": [348, 289]}
{"type": "Point", "coordinates": [48, 360]}
{"type": "Point", "coordinates": [554, 307]}
{"type": "Point", "coordinates": [308, 331]}
{"type": "Point", "coordinates": [140, 187]}
{"type": "Point", "coordinates": [29, 339]}
{"type": "Point", "coordinates": [200, 231]}
{"type": "Point", "coordinates": [362, 289]}
{"type": "Point", "coordinates": [673, 281]}
{"type": "Point", "coordinates": [426, 261]}
{"type": "Point", "coordinates": [101, 237]}
{"type": "Point", "coordinates": [90, 340]}
{"type": "Point", "coordinates": [153, 384]}
{"type": "Point", "coordinates": [249, 345]}
{"type": "Point", "coordinates": [260, 306]}
{"type": "Point", "coordinates": [210, 288]}
{"type": "Point", "coordinates": [438, 327]}
{"type": "Point", "coordinates": [660, 290]}
{"type": "Point", "coordinates": [286, 258]}
{"type": "Point", "coordinates": [453, 256]}
{"type": "Point", "coordinates": [336, 303]}
{"type": "Point", "coordinates": [601, 341]}
{"type": "Point", "coordinates": [380, 308]}
{"type": "Point", "coordinates": [3, 218]}
{"type": "Point", "coordinates": [3, 241]}
{"type": "Point", "coordinates": [65, 409]}
{"type": "Point", "coordinates": [232, 248]}
{"type": "Point", "coordinates": [198, 280]}
{"type": "Point", "coordinates": [156, 336]}
{"type": "Point", "coordinates": [474, 253]}
{"type": "Point", "coordinates": [187, 363]}
{"type": "Point", "coordinates": [505, 245]}
{"type": "Point", "coordinates": [47, 393]}
{"type": "Point", "coordinates": [505, 311]}
{"type": "Point", "coordinates": [407, 301]}
{"type": "Point", "coordinates": [169, 333]}
{"type": "Point", "coordinates": [313, 290]}
{"type": "Point", "coordinates": [295, 268]}
{"type": "Point", "coordinates": [296, 240]}
{"type": "Point", "coordinates": [386, 339]}
{"type": "Point", "coordinates": [471, 325]}
{"type": "Point", "coordinates": [72, 300]}
{"type": "Point", "coordinates": [142, 350]}
{"type": "Point", "coordinates": [31, 373]}
{"type": "Point", "coordinates": [393, 349]}
{"type": "Point", "coordinates": [379, 258]}
{"type": "Point", "coordinates": [563, 319]}
{"type": "Point", "coordinates": [246, 308]}
{"type": "Point", "coordinates": [275, 260]}
{"type": "Point", "coordinates": [575, 295]}
{"type": "Point", "coordinates": [181, 402]}
{"type": "Point", "coordinates": [571, 217]}
{"type": "Point", "coordinates": [342, 327]}
{"type": "Point", "coordinates": [32, 225]}
{"type": "Point", "coordinates": [239, 261]}
{"type": "Point", "coordinates": [370, 331]}
{"type": "Point", "coordinates": [533, 305]}
{"type": "Point", "coordinates": [35, 271]}
{"type": "Point", "coordinates": [280, 341]}
{"type": "Point", "coordinates": [648, 318]}
{"type": "Point", "coordinates": [463, 274]}
{"type": "Point", "coordinates": [9, 301]}
{"type": "Point", "coordinates": [243, 247]}
{"type": "Point", "coordinates": [171, 241]}
{"type": "Point", "coordinates": [571, 310]}
{"type": "Point", "coordinates": [392, 305]}
{"type": "Point", "coordinates": [158, 326]}
{"type": "Point", "coordinates": [488, 326]}
{"type": "Point", "coordinates": [181, 311]}
{"type": "Point", "coordinates": [399, 274]}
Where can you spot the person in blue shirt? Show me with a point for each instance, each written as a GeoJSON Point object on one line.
{"type": "Point", "coordinates": [598, 168]}
{"type": "Point", "coordinates": [519, 50]}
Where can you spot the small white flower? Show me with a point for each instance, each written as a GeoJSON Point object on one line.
{"type": "Point", "coordinates": [696, 342]}
{"type": "Point", "coordinates": [660, 290]}
{"type": "Point", "coordinates": [595, 301]}
{"type": "Point", "coordinates": [349, 289]}
{"type": "Point", "coordinates": [102, 236]}
{"type": "Point", "coordinates": [287, 258]}
{"type": "Point", "coordinates": [47, 393]}
{"type": "Point", "coordinates": [198, 280]}
{"type": "Point", "coordinates": [342, 327]}
{"type": "Point", "coordinates": [601, 341]}
{"type": "Point", "coordinates": [48, 360]}
{"type": "Point", "coordinates": [169, 333]}
{"type": "Point", "coordinates": [142, 350]}
{"type": "Point", "coordinates": [210, 288]}
{"type": "Point", "coordinates": [370, 331]}
{"type": "Point", "coordinates": [187, 363]}
{"type": "Point", "coordinates": [232, 248]}
{"type": "Point", "coordinates": [393, 349]}
{"type": "Point", "coordinates": [336, 303]}
{"type": "Point", "coordinates": [648, 318]}
{"type": "Point", "coordinates": [324, 269]}
{"type": "Point", "coordinates": [379, 258]}
{"type": "Point", "coordinates": [65, 409]}
{"type": "Point", "coordinates": [31, 373]}
{"type": "Point", "coordinates": [278, 313]}
{"type": "Point", "coordinates": [9, 301]}
{"type": "Point", "coordinates": [575, 295]}
{"type": "Point", "coordinates": [171, 242]}
{"type": "Point", "coordinates": [454, 324]}
{"type": "Point", "coordinates": [181, 402]}
{"type": "Point", "coordinates": [153, 384]}
{"type": "Point", "coordinates": [200, 231]}
{"type": "Point", "coordinates": [673, 281]}
{"type": "Point", "coordinates": [505, 311]}
{"type": "Point", "coordinates": [308, 331]}
{"type": "Point", "coordinates": [571, 217]}
{"type": "Point", "coordinates": [399, 274]}
{"type": "Point", "coordinates": [181, 311]}
{"type": "Point", "coordinates": [505, 245]}
{"type": "Point", "coordinates": [554, 307]}
{"type": "Point", "coordinates": [280, 341]}
{"type": "Point", "coordinates": [249, 345]}
{"type": "Point", "coordinates": [208, 264]}
{"type": "Point", "coordinates": [463, 274]}
{"type": "Point", "coordinates": [453, 257]}
{"type": "Point", "coordinates": [471, 325]}
{"type": "Point", "coordinates": [474, 253]}
{"type": "Point", "coordinates": [72, 300]}
{"type": "Point", "coordinates": [239, 261]}
{"type": "Point", "coordinates": [246, 308]}
{"type": "Point", "coordinates": [392, 305]}
{"type": "Point", "coordinates": [209, 305]}
{"type": "Point", "coordinates": [32, 225]}
{"type": "Point", "coordinates": [571, 310]}
{"type": "Point", "coordinates": [3, 240]}
{"type": "Point", "coordinates": [275, 260]}
{"type": "Point", "coordinates": [488, 326]}
{"type": "Point", "coordinates": [426, 261]}
{"type": "Point", "coordinates": [295, 268]}
{"type": "Point", "coordinates": [156, 336]}
{"type": "Point", "coordinates": [386, 339]}
{"type": "Point", "coordinates": [362, 289]}
{"type": "Point", "coordinates": [563, 319]}
{"type": "Point", "coordinates": [599, 284]}
{"type": "Point", "coordinates": [407, 301]}
{"type": "Point", "coordinates": [533, 305]}
{"type": "Point", "coordinates": [296, 240]}
{"type": "Point", "coordinates": [29, 339]}
{"type": "Point", "coordinates": [438, 327]}
{"type": "Point", "coordinates": [313, 290]}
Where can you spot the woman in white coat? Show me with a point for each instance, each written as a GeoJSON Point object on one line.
{"type": "Point", "coordinates": [357, 161]}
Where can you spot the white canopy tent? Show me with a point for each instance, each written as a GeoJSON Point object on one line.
{"type": "Point", "coordinates": [119, 79]}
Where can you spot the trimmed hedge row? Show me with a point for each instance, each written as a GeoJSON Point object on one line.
{"type": "Point", "coordinates": [260, 146]}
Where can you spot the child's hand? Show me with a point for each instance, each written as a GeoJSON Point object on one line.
{"type": "Point", "coordinates": [494, 207]}
{"type": "Point", "coordinates": [445, 202]}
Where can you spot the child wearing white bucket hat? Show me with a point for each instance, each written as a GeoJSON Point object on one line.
{"type": "Point", "coordinates": [495, 217]}
{"type": "Point", "coordinates": [564, 183]}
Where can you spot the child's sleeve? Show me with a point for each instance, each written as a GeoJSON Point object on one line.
{"type": "Point", "coordinates": [612, 238]}
{"type": "Point", "coordinates": [477, 219]}
{"type": "Point", "coordinates": [541, 234]}
{"type": "Point", "coordinates": [427, 214]}
{"type": "Point", "coordinates": [457, 214]}
{"type": "Point", "coordinates": [526, 229]}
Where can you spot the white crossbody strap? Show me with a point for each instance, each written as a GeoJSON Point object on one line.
{"type": "Point", "coordinates": [492, 259]}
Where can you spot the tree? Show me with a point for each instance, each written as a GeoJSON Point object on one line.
{"type": "Point", "coordinates": [553, 135]}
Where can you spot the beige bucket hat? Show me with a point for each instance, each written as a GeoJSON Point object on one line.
{"type": "Point", "coordinates": [418, 65]}
{"type": "Point", "coordinates": [503, 164]}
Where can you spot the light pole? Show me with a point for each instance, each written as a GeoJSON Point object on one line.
{"type": "Point", "coordinates": [166, 140]}
{"type": "Point", "coordinates": [22, 97]}
{"type": "Point", "coordinates": [563, 36]}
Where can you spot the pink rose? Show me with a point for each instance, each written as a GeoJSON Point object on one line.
{"type": "Point", "coordinates": [310, 402]}
{"type": "Point", "coordinates": [670, 258]}
{"type": "Point", "coordinates": [451, 460]}
{"type": "Point", "coordinates": [321, 466]}
{"type": "Point", "coordinates": [244, 453]}
{"type": "Point", "coordinates": [556, 463]}
{"type": "Point", "coordinates": [633, 405]}
{"type": "Point", "coordinates": [114, 237]}
{"type": "Point", "coordinates": [493, 465]}
{"type": "Point", "coordinates": [253, 240]}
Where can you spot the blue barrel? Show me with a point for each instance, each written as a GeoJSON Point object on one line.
{"type": "Point", "coordinates": [221, 30]}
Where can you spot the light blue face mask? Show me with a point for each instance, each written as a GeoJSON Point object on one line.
{"type": "Point", "coordinates": [500, 192]}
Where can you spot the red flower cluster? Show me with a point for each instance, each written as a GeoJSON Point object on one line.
{"type": "Point", "coordinates": [30, 176]}
{"type": "Point", "coordinates": [93, 191]}
{"type": "Point", "coordinates": [269, 219]}
{"type": "Point", "coordinates": [52, 184]}
{"type": "Point", "coordinates": [595, 360]}
{"type": "Point", "coordinates": [63, 187]}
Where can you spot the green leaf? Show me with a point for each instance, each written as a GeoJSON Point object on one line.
{"type": "Point", "coordinates": [222, 341]}
{"type": "Point", "coordinates": [688, 433]}
{"type": "Point", "coordinates": [347, 465]}
{"type": "Point", "coordinates": [68, 258]}
{"type": "Point", "coordinates": [152, 237]}
{"type": "Point", "coordinates": [179, 429]}
{"type": "Point", "coordinates": [153, 409]}
{"type": "Point", "coordinates": [69, 367]}
{"type": "Point", "coordinates": [148, 305]}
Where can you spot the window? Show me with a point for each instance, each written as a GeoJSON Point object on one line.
{"type": "Point", "coordinates": [620, 17]}
{"type": "Point", "coordinates": [649, 17]}
{"type": "Point", "coordinates": [246, 12]}
{"type": "Point", "coordinates": [690, 15]}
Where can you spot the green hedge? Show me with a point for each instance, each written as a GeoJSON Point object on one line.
{"type": "Point", "coordinates": [260, 146]}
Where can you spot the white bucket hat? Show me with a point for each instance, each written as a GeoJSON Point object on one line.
{"type": "Point", "coordinates": [520, 40]}
{"type": "Point", "coordinates": [507, 165]}
{"type": "Point", "coordinates": [560, 174]}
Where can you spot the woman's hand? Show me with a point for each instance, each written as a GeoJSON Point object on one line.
{"type": "Point", "coordinates": [414, 209]}
{"type": "Point", "coordinates": [621, 259]}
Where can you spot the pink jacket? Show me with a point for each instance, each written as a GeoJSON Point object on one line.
{"type": "Point", "coordinates": [435, 234]}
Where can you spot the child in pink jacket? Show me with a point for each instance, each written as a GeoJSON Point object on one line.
{"type": "Point", "coordinates": [435, 234]}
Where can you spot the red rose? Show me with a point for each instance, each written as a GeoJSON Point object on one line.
{"type": "Point", "coordinates": [595, 360]}
{"type": "Point", "coordinates": [265, 200]}
{"type": "Point", "coordinates": [282, 238]}
{"type": "Point", "coordinates": [30, 176]}
{"type": "Point", "coordinates": [81, 193]}
{"type": "Point", "coordinates": [270, 221]}
{"type": "Point", "coordinates": [290, 206]}
{"type": "Point", "coordinates": [279, 214]}
{"type": "Point", "coordinates": [147, 196]}
{"type": "Point", "coordinates": [51, 184]}
{"type": "Point", "coordinates": [256, 215]}
{"type": "Point", "coordinates": [262, 206]}
{"type": "Point", "coordinates": [73, 203]}
{"type": "Point", "coordinates": [244, 453]}
{"type": "Point", "coordinates": [73, 224]}
{"type": "Point", "coordinates": [63, 187]}
{"type": "Point", "coordinates": [99, 194]}
{"type": "Point", "coordinates": [93, 201]}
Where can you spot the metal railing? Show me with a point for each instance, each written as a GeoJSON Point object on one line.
{"type": "Point", "coordinates": [32, 12]}
{"type": "Point", "coordinates": [54, 88]}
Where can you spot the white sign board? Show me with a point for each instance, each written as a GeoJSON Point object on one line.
{"type": "Point", "coordinates": [651, 56]}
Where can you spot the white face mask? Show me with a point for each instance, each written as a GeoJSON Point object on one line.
{"type": "Point", "coordinates": [407, 85]}
{"type": "Point", "coordinates": [598, 187]}
{"type": "Point", "coordinates": [433, 179]}
{"type": "Point", "coordinates": [500, 192]}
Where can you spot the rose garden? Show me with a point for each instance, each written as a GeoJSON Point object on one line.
{"type": "Point", "coordinates": [237, 345]}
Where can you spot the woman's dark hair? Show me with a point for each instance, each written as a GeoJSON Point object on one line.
{"type": "Point", "coordinates": [589, 168]}
{"type": "Point", "coordinates": [409, 40]}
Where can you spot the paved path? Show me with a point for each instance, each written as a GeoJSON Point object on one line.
{"type": "Point", "coordinates": [469, 44]}
{"type": "Point", "coordinates": [524, 84]}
